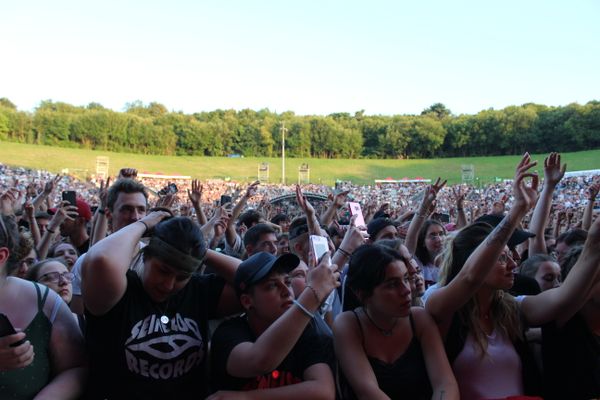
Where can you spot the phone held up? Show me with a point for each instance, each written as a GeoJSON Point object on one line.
{"type": "Point", "coordinates": [6, 329]}
{"type": "Point", "coordinates": [319, 246]}
{"type": "Point", "coordinates": [70, 196]}
{"type": "Point", "coordinates": [356, 210]}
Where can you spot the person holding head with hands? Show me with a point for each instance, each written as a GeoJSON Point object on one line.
{"type": "Point", "coordinates": [147, 329]}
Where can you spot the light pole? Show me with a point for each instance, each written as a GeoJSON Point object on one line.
{"type": "Point", "coordinates": [283, 130]}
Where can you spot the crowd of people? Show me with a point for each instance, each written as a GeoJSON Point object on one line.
{"type": "Point", "coordinates": [148, 288]}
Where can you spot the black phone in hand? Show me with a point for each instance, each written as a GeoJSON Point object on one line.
{"type": "Point", "coordinates": [6, 329]}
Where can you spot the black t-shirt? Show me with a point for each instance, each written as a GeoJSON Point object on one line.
{"type": "Point", "coordinates": [311, 348]}
{"type": "Point", "coordinates": [571, 357]}
{"type": "Point", "coordinates": [133, 355]}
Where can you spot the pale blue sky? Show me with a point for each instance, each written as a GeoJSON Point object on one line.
{"type": "Point", "coordinates": [310, 57]}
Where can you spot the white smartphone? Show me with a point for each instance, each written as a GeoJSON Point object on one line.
{"type": "Point", "coordinates": [319, 247]}
{"type": "Point", "coordinates": [356, 210]}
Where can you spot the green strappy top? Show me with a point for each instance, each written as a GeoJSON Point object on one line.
{"type": "Point", "coordinates": [25, 383]}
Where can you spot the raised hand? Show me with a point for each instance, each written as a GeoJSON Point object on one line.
{"type": "Point", "coordinates": [339, 199]}
{"type": "Point", "coordinates": [553, 172]}
{"type": "Point", "coordinates": [304, 203]}
{"type": "Point", "coordinates": [103, 193]}
{"type": "Point", "coordinates": [525, 195]}
{"type": "Point", "coordinates": [252, 189]}
{"type": "Point", "coordinates": [592, 191]}
{"type": "Point", "coordinates": [129, 173]}
{"type": "Point", "coordinates": [323, 278]}
{"type": "Point", "coordinates": [51, 184]}
{"type": "Point", "coordinates": [195, 195]}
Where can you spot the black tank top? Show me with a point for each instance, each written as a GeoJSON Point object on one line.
{"type": "Point", "coordinates": [405, 378]}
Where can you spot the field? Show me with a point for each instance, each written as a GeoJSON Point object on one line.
{"type": "Point", "coordinates": [82, 163]}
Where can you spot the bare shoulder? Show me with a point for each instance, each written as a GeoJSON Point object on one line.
{"type": "Point", "coordinates": [344, 322]}
{"type": "Point", "coordinates": [422, 319]}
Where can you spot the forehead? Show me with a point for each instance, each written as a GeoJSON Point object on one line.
{"type": "Point", "coordinates": [395, 269]}
{"type": "Point", "coordinates": [548, 266]}
{"type": "Point", "coordinates": [435, 228]}
{"type": "Point", "coordinates": [52, 266]}
{"type": "Point", "coordinates": [64, 247]}
{"type": "Point", "coordinates": [130, 199]}
{"type": "Point", "coordinates": [267, 237]}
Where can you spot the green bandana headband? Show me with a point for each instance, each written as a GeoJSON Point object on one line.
{"type": "Point", "coordinates": [175, 257]}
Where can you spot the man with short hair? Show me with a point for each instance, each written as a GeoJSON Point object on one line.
{"type": "Point", "coordinates": [261, 237]}
{"type": "Point", "coordinates": [127, 202]}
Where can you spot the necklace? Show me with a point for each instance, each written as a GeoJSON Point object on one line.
{"type": "Point", "coordinates": [163, 318]}
{"type": "Point", "coordinates": [384, 332]}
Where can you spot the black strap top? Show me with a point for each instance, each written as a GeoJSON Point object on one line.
{"type": "Point", "coordinates": [405, 378]}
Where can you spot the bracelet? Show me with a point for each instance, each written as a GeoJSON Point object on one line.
{"type": "Point", "coordinates": [101, 211]}
{"type": "Point", "coordinates": [344, 252]}
{"type": "Point", "coordinates": [145, 224]}
{"type": "Point", "coordinates": [315, 293]}
{"type": "Point", "coordinates": [303, 309]}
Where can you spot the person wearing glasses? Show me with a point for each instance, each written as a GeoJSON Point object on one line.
{"type": "Point", "coordinates": [482, 324]}
{"type": "Point", "coordinates": [45, 358]}
{"type": "Point", "coordinates": [53, 273]}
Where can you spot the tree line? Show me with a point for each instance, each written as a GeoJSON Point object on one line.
{"type": "Point", "coordinates": [436, 132]}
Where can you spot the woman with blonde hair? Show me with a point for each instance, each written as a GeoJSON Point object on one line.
{"type": "Point", "coordinates": [481, 323]}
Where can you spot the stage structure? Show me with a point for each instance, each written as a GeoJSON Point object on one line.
{"type": "Point", "coordinates": [102, 167]}
{"type": "Point", "coordinates": [303, 174]}
{"type": "Point", "coordinates": [263, 172]}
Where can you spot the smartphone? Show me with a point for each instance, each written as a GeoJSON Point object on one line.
{"type": "Point", "coordinates": [225, 199]}
{"type": "Point", "coordinates": [70, 196]}
{"type": "Point", "coordinates": [173, 188]}
{"type": "Point", "coordinates": [319, 247]}
{"type": "Point", "coordinates": [355, 210]}
{"type": "Point", "coordinates": [6, 329]}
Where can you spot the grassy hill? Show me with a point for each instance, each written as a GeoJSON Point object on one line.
{"type": "Point", "coordinates": [83, 162]}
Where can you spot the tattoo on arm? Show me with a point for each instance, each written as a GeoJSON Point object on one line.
{"type": "Point", "coordinates": [501, 233]}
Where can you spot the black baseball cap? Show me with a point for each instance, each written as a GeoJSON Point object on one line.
{"type": "Point", "coordinates": [518, 236]}
{"type": "Point", "coordinates": [258, 266]}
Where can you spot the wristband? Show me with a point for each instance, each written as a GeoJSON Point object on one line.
{"type": "Point", "coordinates": [314, 291]}
{"type": "Point", "coordinates": [145, 224]}
{"type": "Point", "coordinates": [50, 230]}
{"type": "Point", "coordinates": [344, 252]}
{"type": "Point", "coordinates": [303, 309]}
{"type": "Point", "coordinates": [101, 211]}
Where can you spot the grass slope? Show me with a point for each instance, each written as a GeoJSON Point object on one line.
{"type": "Point", "coordinates": [82, 162]}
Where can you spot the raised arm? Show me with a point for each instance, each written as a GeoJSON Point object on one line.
{"type": "Point", "coordinates": [553, 173]}
{"type": "Point", "coordinates": [412, 236]}
{"type": "Point", "coordinates": [459, 198]}
{"type": "Point", "coordinates": [339, 199]}
{"type": "Point", "coordinates": [64, 212]}
{"type": "Point", "coordinates": [309, 211]}
{"type": "Point", "coordinates": [592, 193]}
{"type": "Point", "coordinates": [249, 359]}
{"type": "Point", "coordinates": [444, 302]}
{"type": "Point", "coordinates": [100, 226]}
{"type": "Point", "coordinates": [105, 266]}
{"type": "Point", "coordinates": [195, 196]}
{"type": "Point", "coordinates": [45, 194]}
{"type": "Point", "coordinates": [560, 304]}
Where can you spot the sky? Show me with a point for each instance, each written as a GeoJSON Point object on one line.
{"type": "Point", "coordinates": [309, 57]}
